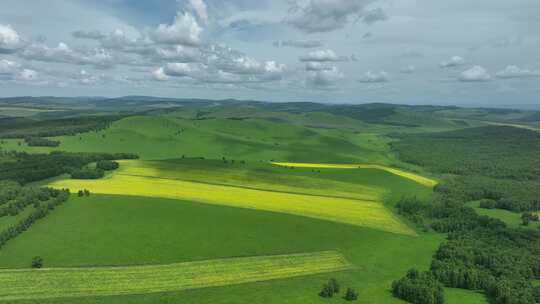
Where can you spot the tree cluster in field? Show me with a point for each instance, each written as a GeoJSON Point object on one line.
{"type": "Point", "coordinates": [14, 198]}
{"type": "Point", "coordinates": [498, 163]}
{"type": "Point", "coordinates": [527, 217]}
{"type": "Point", "coordinates": [95, 173]}
{"type": "Point", "coordinates": [333, 288]}
{"type": "Point", "coordinates": [24, 168]}
{"type": "Point", "coordinates": [41, 142]}
{"type": "Point", "coordinates": [57, 127]}
{"type": "Point", "coordinates": [83, 192]}
{"type": "Point", "coordinates": [419, 288]}
{"type": "Point", "coordinates": [330, 288]}
{"type": "Point", "coordinates": [107, 165]}
{"type": "Point", "coordinates": [58, 197]}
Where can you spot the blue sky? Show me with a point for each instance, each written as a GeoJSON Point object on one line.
{"type": "Point", "coordinates": [482, 52]}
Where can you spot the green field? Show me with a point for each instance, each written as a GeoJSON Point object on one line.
{"type": "Point", "coordinates": [164, 137]}
{"type": "Point", "coordinates": [141, 179]}
{"type": "Point", "coordinates": [105, 281]}
{"type": "Point", "coordinates": [461, 296]}
{"type": "Point", "coordinates": [121, 230]}
{"type": "Point", "coordinates": [511, 219]}
{"type": "Point", "coordinates": [409, 175]}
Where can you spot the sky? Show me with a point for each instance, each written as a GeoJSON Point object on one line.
{"type": "Point", "coordinates": [460, 52]}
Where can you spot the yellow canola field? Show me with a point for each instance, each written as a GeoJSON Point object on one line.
{"type": "Point", "coordinates": [344, 210]}
{"type": "Point", "coordinates": [31, 284]}
{"type": "Point", "coordinates": [409, 175]}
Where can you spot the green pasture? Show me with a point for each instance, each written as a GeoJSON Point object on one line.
{"type": "Point", "coordinates": [120, 230]}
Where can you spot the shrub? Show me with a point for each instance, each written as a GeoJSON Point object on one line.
{"type": "Point", "coordinates": [329, 289]}
{"type": "Point", "coordinates": [326, 291]}
{"type": "Point", "coordinates": [351, 295]}
{"type": "Point", "coordinates": [37, 262]}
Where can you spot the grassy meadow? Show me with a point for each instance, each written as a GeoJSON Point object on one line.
{"type": "Point", "coordinates": [164, 137]}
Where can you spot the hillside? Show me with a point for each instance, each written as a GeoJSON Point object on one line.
{"type": "Point", "coordinates": [220, 181]}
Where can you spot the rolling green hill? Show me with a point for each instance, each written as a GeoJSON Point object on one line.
{"type": "Point", "coordinates": [231, 180]}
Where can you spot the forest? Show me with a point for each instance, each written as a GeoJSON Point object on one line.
{"type": "Point", "coordinates": [24, 167]}
{"type": "Point", "coordinates": [481, 253]}
{"type": "Point", "coordinates": [496, 163]}
{"type": "Point", "coordinates": [24, 128]}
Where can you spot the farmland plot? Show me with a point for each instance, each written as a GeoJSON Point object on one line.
{"type": "Point", "coordinates": [19, 284]}
{"type": "Point", "coordinates": [350, 211]}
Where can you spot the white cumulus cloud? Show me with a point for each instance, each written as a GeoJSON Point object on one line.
{"type": "Point", "coordinates": [180, 69]}
{"type": "Point", "coordinates": [9, 39]}
{"type": "Point", "coordinates": [513, 71]}
{"type": "Point", "coordinates": [322, 56]}
{"type": "Point", "coordinates": [100, 58]}
{"type": "Point", "coordinates": [374, 77]}
{"type": "Point", "coordinates": [160, 75]}
{"type": "Point", "coordinates": [324, 78]}
{"type": "Point", "coordinates": [475, 74]}
{"type": "Point", "coordinates": [314, 16]}
{"type": "Point", "coordinates": [452, 62]}
{"type": "Point", "coordinates": [200, 9]}
{"type": "Point", "coordinates": [185, 30]}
